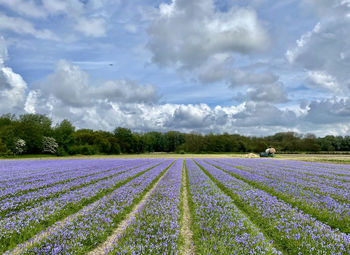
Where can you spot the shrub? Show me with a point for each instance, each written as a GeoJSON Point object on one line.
{"type": "Point", "coordinates": [20, 146]}
{"type": "Point", "coordinates": [49, 145]}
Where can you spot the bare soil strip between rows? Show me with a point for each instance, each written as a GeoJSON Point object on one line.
{"type": "Point", "coordinates": [108, 244]}
{"type": "Point", "coordinates": [42, 235]}
{"type": "Point", "coordinates": [186, 234]}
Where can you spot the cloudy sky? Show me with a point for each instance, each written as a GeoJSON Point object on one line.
{"type": "Point", "coordinates": [253, 67]}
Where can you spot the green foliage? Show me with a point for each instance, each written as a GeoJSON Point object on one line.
{"type": "Point", "coordinates": [82, 149]}
{"type": "Point", "coordinates": [32, 128]}
{"type": "Point", "coordinates": [4, 151]}
{"type": "Point", "coordinates": [63, 133]}
{"type": "Point", "coordinates": [61, 151]}
{"type": "Point", "coordinates": [125, 139]}
{"type": "Point", "coordinates": [49, 145]}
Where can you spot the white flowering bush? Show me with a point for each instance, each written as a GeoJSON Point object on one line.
{"type": "Point", "coordinates": [20, 145]}
{"type": "Point", "coordinates": [49, 145]}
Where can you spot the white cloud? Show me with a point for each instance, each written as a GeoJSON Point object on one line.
{"type": "Point", "coordinates": [187, 33]}
{"type": "Point", "coordinates": [73, 87]}
{"type": "Point", "coordinates": [68, 93]}
{"type": "Point", "coordinates": [325, 54]}
{"type": "Point", "coordinates": [220, 68]}
{"type": "Point", "coordinates": [325, 80]}
{"type": "Point", "coordinates": [94, 27]}
{"type": "Point", "coordinates": [271, 93]}
{"type": "Point", "coordinates": [330, 111]}
{"type": "Point", "coordinates": [22, 26]}
{"type": "Point", "coordinates": [86, 17]}
{"type": "Point", "coordinates": [12, 86]}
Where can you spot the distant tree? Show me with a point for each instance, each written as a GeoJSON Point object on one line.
{"type": "Point", "coordinates": [32, 128]}
{"type": "Point", "coordinates": [8, 133]}
{"type": "Point", "coordinates": [115, 148]}
{"type": "Point", "coordinates": [20, 146]}
{"type": "Point", "coordinates": [309, 143]}
{"type": "Point", "coordinates": [4, 151]}
{"type": "Point", "coordinates": [194, 142]}
{"type": "Point", "coordinates": [125, 139]}
{"type": "Point", "coordinates": [64, 134]}
{"type": "Point", "coordinates": [49, 145]}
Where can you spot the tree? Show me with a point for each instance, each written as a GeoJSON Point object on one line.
{"type": "Point", "coordinates": [194, 143]}
{"type": "Point", "coordinates": [20, 146]}
{"type": "Point", "coordinates": [125, 139]}
{"type": "Point", "coordinates": [32, 128]}
{"type": "Point", "coordinates": [63, 133]}
{"type": "Point", "coordinates": [309, 143]}
{"type": "Point", "coordinates": [4, 151]}
{"type": "Point", "coordinates": [49, 145]}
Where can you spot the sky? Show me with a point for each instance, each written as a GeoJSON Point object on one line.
{"type": "Point", "coordinates": [252, 67]}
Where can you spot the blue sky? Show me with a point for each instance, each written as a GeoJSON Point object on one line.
{"type": "Point", "coordinates": [251, 67]}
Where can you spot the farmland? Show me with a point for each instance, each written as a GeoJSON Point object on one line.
{"type": "Point", "coordinates": [173, 205]}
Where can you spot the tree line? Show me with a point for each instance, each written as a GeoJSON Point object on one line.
{"type": "Point", "coordinates": [35, 134]}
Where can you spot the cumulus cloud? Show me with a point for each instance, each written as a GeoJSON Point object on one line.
{"type": "Point", "coordinates": [73, 87]}
{"type": "Point", "coordinates": [128, 104]}
{"type": "Point", "coordinates": [324, 52]}
{"type": "Point", "coordinates": [328, 111]}
{"type": "Point", "coordinates": [220, 68]}
{"type": "Point", "coordinates": [324, 80]}
{"type": "Point", "coordinates": [194, 117]}
{"type": "Point", "coordinates": [12, 86]}
{"type": "Point", "coordinates": [272, 93]}
{"type": "Point", "coordinates": [264, 114]}
{"type": "Point", "coordinates": [186, 33]}
{"type": "Point", "coordinates": [69, 93]}
{"type": "Point", "coordinates": [197, 37]}
{"type": "Point", "coordinates": [91, 27]}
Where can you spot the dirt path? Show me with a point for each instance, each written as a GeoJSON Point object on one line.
{"type": "Point", "coordinates": [108, 244]}
{"type": "Point", "coordinates": [185, 231]}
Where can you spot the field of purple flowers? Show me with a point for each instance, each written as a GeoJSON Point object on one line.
{"type": "Point", "coordinates": [236, 206]}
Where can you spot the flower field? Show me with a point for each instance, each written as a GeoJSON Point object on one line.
{"type": "Point", "coordinates": [136, 206]}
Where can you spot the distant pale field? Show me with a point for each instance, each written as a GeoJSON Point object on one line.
{"type": "Point", "coordinates": [330, 158]}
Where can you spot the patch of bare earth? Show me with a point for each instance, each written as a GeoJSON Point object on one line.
{"type": "Point", "coordinates": [185, 231]}
{"type": "Point", "coordinates": [111, 240]}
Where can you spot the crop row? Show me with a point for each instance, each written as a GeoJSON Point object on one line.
{"type": "Point", "coordinates": [291, 229]}
{"type": "Point", "coordinates": [219, 226]}
{"type": "Point", "coordinates": [155, 229]}
{"type": "Point", "coordinates": [29, 184]}
{"type": "Point", "coordinates": [10, 206]}
{"type": "Point", "coordinates": [94, 224]}
{"type": "Point", "coordinates": [322, 205]}
{"type": "Point", "coordinates": [237, 206]}
{"type": "Point", "coordinates": [25, 224]}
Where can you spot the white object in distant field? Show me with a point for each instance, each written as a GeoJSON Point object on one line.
{"type": "Point", "coordinates": [270, 150]}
